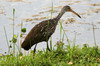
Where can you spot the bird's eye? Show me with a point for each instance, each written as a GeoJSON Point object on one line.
{"type": "Point", "coordinates": [68, 8]}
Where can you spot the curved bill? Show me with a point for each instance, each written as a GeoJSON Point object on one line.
{"type": "Point", "coordinates": [76, 13]}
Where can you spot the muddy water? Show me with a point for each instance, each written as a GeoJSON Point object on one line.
{"type": "Point", "coordinates": [31, 12]}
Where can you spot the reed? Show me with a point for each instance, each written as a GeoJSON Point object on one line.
{"type": "Point", "coordinates": [51, 18]}
{"type": "Point", "coordinates": [64, 34]}
{"type": "Point", "coordinates": [94, 34]}
{"type": "Point", "coordinates": [13, 29]}
{"type": "Point", "coordinates": [74, 40]}
{"type": "Point", "coordinates": [7, 40]}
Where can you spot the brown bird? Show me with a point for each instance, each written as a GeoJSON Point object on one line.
{"type": "Point", "coordinates": [44, 30]}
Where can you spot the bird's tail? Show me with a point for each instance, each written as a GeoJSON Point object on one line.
{"type": "Point", "coordinates": [26, 45]}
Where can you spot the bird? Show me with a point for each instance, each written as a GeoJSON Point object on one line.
{"type": "Point", "coordinates": [44, 30]}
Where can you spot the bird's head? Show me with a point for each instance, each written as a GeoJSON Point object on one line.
{"type": "Point", "coordinates": [68, 9]}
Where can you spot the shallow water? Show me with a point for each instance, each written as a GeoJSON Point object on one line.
{"type": "Point", "coordinates": [31, 12]}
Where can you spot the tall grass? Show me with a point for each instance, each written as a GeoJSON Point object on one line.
{"type": "Point", "coordinates": [7, 40]}
{"type": "Point", "coordinates": [51, 18]}
{"type": "Point", "coordinates": [13, 30]}
{"type": "Point", "coordinates": [94, 34]}
{"type": "Point", "coordinates": [21, 35]}
{"type": "Point", "coordinates": [64, 34]}
{"type": "Point", "coordinates": [74, 41]}
{"type": "Point", "coordinates": [14, 37]}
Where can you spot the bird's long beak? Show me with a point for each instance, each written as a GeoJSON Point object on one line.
{"type": "Point", "coordinates": [75, 13]}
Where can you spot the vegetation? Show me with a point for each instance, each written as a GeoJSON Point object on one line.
{"type": "Point", "coordinates": [61, 55]}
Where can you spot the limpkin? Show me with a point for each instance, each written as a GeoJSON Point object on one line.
{"type": "Point", "coordinates": [44, 30]}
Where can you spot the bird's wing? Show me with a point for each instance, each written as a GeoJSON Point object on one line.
{"type": "Point", "coordinates": [40, 32]}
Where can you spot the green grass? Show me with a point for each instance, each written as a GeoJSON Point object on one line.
{"type": "Point", "coordinates": [61, 55]}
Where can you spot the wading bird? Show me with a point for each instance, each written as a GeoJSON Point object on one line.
{"type": "Point", "coordinates": [44, 30]}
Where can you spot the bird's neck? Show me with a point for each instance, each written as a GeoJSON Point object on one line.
{"type": "Point", "coordinates": [60, 14]}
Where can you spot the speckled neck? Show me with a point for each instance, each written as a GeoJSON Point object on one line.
{"type": "Point", "coordinates": [60, 14]}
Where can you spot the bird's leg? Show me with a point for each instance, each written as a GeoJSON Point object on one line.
{"type": "Point", "coordinates": [48, 46]}
{"type": "Point", "coordinates": [35, 48]}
